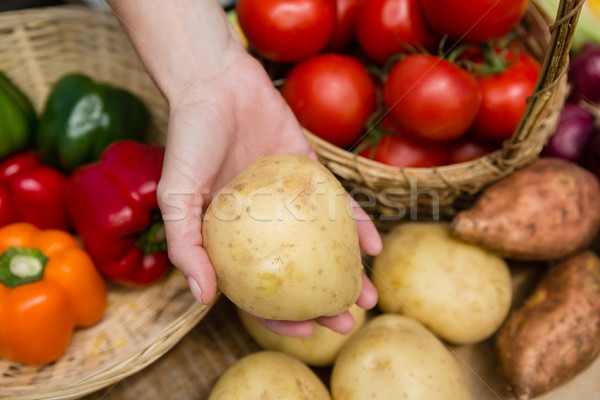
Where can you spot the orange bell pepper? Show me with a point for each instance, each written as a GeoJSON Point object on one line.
{"type": "Point", "coordinates": [48, 286]}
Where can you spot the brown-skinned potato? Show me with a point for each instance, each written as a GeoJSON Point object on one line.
{"type": "Point", "coordinates": [556, 334]}
{"type": "Point", "coordinates": [547, 210]}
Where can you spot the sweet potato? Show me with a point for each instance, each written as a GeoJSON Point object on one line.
{"type": "Point", "coordinates": [547, 210]}
{"type": "Point", "coordinates": [556, 333]}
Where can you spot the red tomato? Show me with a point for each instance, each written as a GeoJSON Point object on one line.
{"type": "Point", "coordinates": [287, 30]}
{"type": "Point", "coordinates": [466, 149]}
{"type": "Point", "coordinates": [386, 27]}
{"type": "Point", "coordinates": [474, 21]}
{"type": "Point", "coordinates": [400, 151]}
{"type": "Point", "coordinates": [332, 95]}
{"type": "Point", "coordinates": [343, 32]}
{"type": "Point", "coordinates": [504, 98]}
{"type": "Point", "coordinates": [430, 98]}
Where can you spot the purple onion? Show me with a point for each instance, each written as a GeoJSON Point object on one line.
{"type": "Point", "coordinates": [584, 74]}
{"type": "Point", "coordinates": [591, 157]}
{"type": "Point", "coordinates": [573, 132]}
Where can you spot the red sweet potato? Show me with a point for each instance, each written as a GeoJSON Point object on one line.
{"type": "Point", "coordinates": [547, 210]}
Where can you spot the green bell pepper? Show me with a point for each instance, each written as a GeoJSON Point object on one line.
{"type": "Point", "coordinates": [18, 118]}
{"type": "Point", "coordinates": [82, 117]}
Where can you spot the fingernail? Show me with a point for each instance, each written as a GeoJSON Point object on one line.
{"type": "Point", "coordinates": [195, 288]}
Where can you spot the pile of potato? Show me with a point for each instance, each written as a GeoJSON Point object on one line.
{"type": "Point", "coordinates": [440, 284]}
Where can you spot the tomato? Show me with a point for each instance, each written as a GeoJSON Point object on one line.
{"type": "Point", "coordinates": [504, 98]}
{"type": "Point", "coordinates": [467, 149]}
{"type": "Point", "coordinates": [386, 27]}
{"type": "Point", "coordinates": [343, 31]}
{"type": "Point", "coordinates": [287, 30]}
{"type": "Point", "coordinates": [474, 21]}
{"type": "Point", "coordinates": [430, 98]}
{"type": "Point", "coordinates": [399, 151]}
{"type": "Point", "coordinates": [332, 95]}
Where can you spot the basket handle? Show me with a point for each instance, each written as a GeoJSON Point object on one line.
{"type": "Point", "coordinates": [554, 67]}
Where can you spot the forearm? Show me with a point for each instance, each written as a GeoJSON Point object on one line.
{"type": "Point", "coordinates": [180, 42]}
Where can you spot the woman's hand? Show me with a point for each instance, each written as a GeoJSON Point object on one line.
{"type": "Point", "coordinates": [224, 114]}
{"type": "Point", "coordinates": [216, 129]}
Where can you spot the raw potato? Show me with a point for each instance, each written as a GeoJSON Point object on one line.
{"type": "Point", "coordinates": [283, 240]}
{"type": "Point", "coordinates": [269, 375]}
{"type": "Point", "coordinates": [394, 357]}
{"type": "Point", "coordinates": [546, 210]}
{"type": "Point", "coordinates": [556, 333]}
{"type": "Point", "coordinates": [461, 291]}
{"type": "Point", "coordinates": [319, 350]}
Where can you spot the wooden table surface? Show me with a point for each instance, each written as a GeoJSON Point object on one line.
{"type": "Point", "coordinates": [190, 369]}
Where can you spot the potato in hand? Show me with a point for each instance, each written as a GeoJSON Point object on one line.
{"type": "Point", "coordinates": [283, 240]}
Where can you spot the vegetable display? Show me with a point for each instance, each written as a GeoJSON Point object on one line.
{"type": "Point", "coordinates": [380, 78]}
{"type": "Point", "coordinates": [343, 29]}
{"type": "Point", "coordinates": [556, 334]}
{"type": "Point", "coordinates": [451, 85]}
{"type": "Point", "coordinates": [462, 292]}
{"type": "Point", "coordinates": [269, 375]}
{"type": "Point", "coordinates": [113, 207]}
{"type": "Point", "coordinates": [506, 80]}
{"type": "Point", "coordinates": [473, 21]}
{"type": "Point", "coordinates": [332, 95]}
{"type": "Point", "coordinates": [287, 30]}
{"type": "Point", "coordinates": [18, 118]}
{"type": "Point", "coordinates": [429, 71]}
{"type": "Point", "coordinates": [577, 137]}
{"type": "Point", "coordinates": [319, 350]}
{"type": "Point", "coordinates": [584, 74]}
{"type": "Point", "coordinates": [393, 149]}
{"type": "Point", "coordinates": [387, 27]}
{"type": "Point", "coordinates": [416, 93]}
{"type": "Point", "coordinates": [392, 356]}
{"type": "Point", "coordinates": [518, 216]}
{"type": "Point", "coordinates": [81, 117]}
{"type": "Point", "coordinates": [573, 133]}
{"type": "Point", "coordinates": [32, 192]}
{"type": "Point", "coordinates": [48, 286]}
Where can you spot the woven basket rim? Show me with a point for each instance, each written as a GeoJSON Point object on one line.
{"type": "Point", "coordinates": [131, 364]}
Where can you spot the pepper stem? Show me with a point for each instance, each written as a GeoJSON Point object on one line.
{"type": "Point", "coordinates": [19, 266]}
{"type": "Point", "coordinates": [153, 239]}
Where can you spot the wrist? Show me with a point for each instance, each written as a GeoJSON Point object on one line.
{"type": "Point", "coordinates": [179, 41]}
{"type": "Point", "coordinates": [223, 84]}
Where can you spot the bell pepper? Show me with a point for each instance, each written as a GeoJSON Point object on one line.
{"type": "Point", "coordinates": [81, 117]}
{"type": "Point", "coordinates": [48, 287]}
{"type": "Point", "coordinates": [113, 207]}
{"type": "Point", "coordinates": [32, 192]}
{"type": "Point", "coordinates": [18, 118]}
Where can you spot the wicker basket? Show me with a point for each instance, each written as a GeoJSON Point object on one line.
{"type": "Point", "coordinates": [438, 193]}
{"type": "Point", "coordinates": [37, 47]}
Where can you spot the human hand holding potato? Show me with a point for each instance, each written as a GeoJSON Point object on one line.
{"type": "Point", "coordinates": [224, 114]}
{"type": "Point", "coordinates": [194, 172]}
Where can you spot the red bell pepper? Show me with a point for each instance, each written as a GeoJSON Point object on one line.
{"type": "Point", "coordinates": [113, 207]}
{"type": "Point", "coordinates": [32, 192]}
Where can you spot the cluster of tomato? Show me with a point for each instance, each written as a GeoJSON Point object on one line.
{"type": "Point", "coordinates": [413, 83]}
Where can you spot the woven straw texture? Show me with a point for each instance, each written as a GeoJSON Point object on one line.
{"type": "Point", "coordinates": [37, 47]}
{"type": "Point", "coordinates": [439, 192]}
